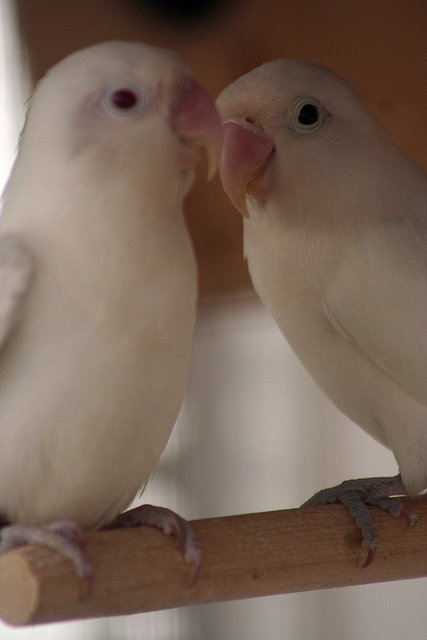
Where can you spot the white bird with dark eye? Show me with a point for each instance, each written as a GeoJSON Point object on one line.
{"type": "Point", "coordinates": [335, 234]}
{"type": "Point", "coordinates": [98, 293]}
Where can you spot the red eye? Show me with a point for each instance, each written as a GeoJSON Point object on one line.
{"type": "Point", "coordinates": [124, 99]}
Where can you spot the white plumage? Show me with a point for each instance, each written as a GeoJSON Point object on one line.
{"type": "Point", "coordinates": [98, 282]}
{"type": "Point", "coordinates": [336, 242]}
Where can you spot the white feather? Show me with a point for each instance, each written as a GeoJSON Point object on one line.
{"type": "Point", "coordinates": [94, 373]}
{"type": "Point", "coordinates": [337, 247]}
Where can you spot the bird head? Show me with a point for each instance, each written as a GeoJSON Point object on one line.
{"type": "Point", "coordinates": [121, 109]}
{"type": "Point", "coordinates": [292, 127]}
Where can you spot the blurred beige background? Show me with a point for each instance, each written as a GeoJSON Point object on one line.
{"type": "Point", "coordinates": [380, 46]}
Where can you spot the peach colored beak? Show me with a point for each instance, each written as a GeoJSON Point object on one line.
{"type": "Point", "coordinates": [194, 117]}
{"type": "Point", "coordinates": [246, 149]}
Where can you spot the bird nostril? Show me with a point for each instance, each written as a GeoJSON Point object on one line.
{"type": "Point", "coordinates": [250, 120]}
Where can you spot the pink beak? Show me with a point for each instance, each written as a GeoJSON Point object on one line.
{"type": "Point", "coordinates": [245, 151]}
{"type": "Point", "coordinates": [194, 117]}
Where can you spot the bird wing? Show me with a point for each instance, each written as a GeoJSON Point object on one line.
{"type": "Point", "coordinates": [16, 268]}
{"type": "Point", "coordinates": [377, 299]}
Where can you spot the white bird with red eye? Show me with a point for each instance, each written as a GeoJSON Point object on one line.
{"type": "Point", "coordinates": [335, 233]}
{"type": "Point", "coordinates": [97, 292]}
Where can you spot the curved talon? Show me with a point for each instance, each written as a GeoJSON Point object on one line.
{"type": "Point", "coordinates": [370, 557]}
{"type": "Point", "coordinates": [87, 587]}
{"type": "Point", "coordinates": [170, 523]}
{"type": "Point", "coordinates": [193, 557]}
{"type": "Point", "coordinates": [355, 495]}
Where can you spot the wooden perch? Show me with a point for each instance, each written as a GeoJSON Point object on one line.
{"type": "Point", "coordinates": [244, 556]}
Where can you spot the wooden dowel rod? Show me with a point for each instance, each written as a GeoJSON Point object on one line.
{"type": "Point", "coordinates": [244, 556]}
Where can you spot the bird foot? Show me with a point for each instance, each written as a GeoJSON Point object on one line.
{"type": "Point", "coordinates": [64, 536]}
{"type": "Point", "coordinates": [171, 524]}
{"type": "Point", "coordinates": [355, 495]}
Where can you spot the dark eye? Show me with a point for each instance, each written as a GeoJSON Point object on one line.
{"type": "Point", "coordinates": [306, 115]}
{"type": "Point", "coordinates": [123, 100]}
